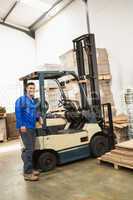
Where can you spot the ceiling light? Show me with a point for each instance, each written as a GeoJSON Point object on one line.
{"type": "Point", "coordinates": [37, 4]}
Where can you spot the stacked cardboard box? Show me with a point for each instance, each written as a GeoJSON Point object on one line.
{"type": "Point", "coordinates": [120, 123]}
{"type": "Point", "coordinates": [121, 133]}
{"type": "Point", "coordinates": [3, 133]}
{"type": "Point", "coordinates": [68, 61]}
{"type": "Point", "coordinates": [11, 126]}
{"type": "Point", "coordinates": [50, 67]}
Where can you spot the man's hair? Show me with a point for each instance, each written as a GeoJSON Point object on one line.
{"type": "Point", "coordinates": [30, 83]}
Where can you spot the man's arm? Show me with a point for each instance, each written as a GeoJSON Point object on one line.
{"type": "Point", "coordinates": [18, 111]}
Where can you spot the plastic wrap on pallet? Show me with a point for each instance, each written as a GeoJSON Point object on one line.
{"type": "Point", "coordinates": [129, 102]}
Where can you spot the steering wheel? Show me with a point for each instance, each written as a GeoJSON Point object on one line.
{"type": "Point", "coordinates": [67, 104]}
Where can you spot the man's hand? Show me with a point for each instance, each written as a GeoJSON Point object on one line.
{"type": "Point", "coordinates": [23, 129]}
{"type": "Point", "coordinates": [41, 120]}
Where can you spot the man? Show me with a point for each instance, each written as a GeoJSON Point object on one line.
{"type": "Point", "coordinates": [25, 109]}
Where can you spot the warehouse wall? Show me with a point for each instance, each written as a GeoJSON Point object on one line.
{"type": "Point", "coordinates": [17, 58]}
{"type": "Point", "coordinates": [111, 21]}
{"type": "Point", "coordinates": [56, 36]}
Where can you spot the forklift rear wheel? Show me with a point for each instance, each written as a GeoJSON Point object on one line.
{"type": "Point", "coordinates": [47, 161]}
{"type": "Point", "coordinates": [99, 145]}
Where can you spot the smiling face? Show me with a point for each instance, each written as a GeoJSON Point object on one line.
{"type": "Point", "coordinates": [30, 89]}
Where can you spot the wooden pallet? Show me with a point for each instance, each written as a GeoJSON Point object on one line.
{"type": "Point", "coordinates": [125, 145]}
{"type": "Point", "coordinates": [121, 156]}
{"type": "Point", "coordinates": [115, 164]}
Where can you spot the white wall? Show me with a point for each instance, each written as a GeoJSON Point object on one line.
{"type": "Point", "coordinates": [111, 21]}
{"type": "Point", "coordinates": [17, 58]}
{"type": "Point", "coordinates": [56, 36]}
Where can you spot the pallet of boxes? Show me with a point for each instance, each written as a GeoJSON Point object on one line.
{"type": "Point", "coordinates": [3, 133]}
{"type": "Point", "coordinates": [68, 62]}
{"type": "Point", "coordinates": [121, 156]}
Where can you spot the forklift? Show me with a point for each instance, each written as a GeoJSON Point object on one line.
{"type": "Point", "coordinates": [82, 132]}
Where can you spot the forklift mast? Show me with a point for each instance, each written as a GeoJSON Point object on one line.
{"type": "Point", "coordinates": [84, 47]}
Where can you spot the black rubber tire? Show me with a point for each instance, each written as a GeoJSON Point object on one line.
{"type": "Point", "coordinates": [99, 145]}
{"type": "Point", "coordinates": [47, 161]}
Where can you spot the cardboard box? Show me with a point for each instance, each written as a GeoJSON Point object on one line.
{"type": "Point", "coordinates": [11, 126]}
{"type": "Point", "coordinates": [3, 133]}
{"type": "Point", "coordinates": [68, 61]}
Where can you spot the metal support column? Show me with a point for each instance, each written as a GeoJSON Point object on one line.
{"type": "Point", "coordinates": [87, 15]}
{"type": "Point", "coordinates": [24, 86]}
{"type": "Point", "coordinates": [42, 98]}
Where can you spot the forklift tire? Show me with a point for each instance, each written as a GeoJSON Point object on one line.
{"type": "Point", "coordinates": [99, 145]}
{"type": "Point", "coordinates": [47, 161]}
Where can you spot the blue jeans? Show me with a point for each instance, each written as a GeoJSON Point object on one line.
{"type": "Point", "coordinates": [28, 139]}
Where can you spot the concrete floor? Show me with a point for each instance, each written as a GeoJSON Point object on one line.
{"type": "Point", "coordinates": [84, 180]}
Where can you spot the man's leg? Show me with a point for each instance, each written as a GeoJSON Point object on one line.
{"type": "Point", "coordinates": [35, 170]}
{"type": "Point", "coordinates": [28, 139]}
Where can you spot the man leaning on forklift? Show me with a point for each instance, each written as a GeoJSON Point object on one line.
{"type": "Point", "coordinates": [25, 109]}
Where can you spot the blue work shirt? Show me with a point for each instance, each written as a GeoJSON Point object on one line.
{"type": "Point", "coordinates": [25, 109]}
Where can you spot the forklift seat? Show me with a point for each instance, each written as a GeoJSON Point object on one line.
{"type": "Point", "coordinates": [70, 131]}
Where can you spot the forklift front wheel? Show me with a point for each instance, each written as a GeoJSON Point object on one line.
{"type": "Point", "coordinates": [99, 145]}
{"type": "Point", "coordinates": [47, 161]}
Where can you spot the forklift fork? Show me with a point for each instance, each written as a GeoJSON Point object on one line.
{"type": "Point", "coordinates": [108, 123]}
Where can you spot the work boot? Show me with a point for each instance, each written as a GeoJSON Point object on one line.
{"type": "Point", "coordinates": [30, 177]}
{"type": "Point", "coordinates": [36, 172]}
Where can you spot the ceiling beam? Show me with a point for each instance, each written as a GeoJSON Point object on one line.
{"type": "Point", "coordinates": [9, 25]}
{"type": "Point", "coordinates": [10, 10]}
{"type": "Point", "coordinates": [55, 9]}
{"type": "Point", "coordinates": [26, 31]}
